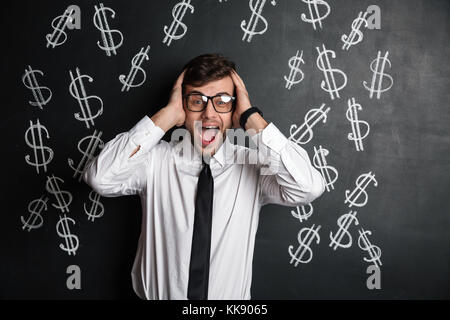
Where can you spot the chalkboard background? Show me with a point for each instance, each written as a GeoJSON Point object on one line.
{"type": "Point", "coordinates": [407, 149]}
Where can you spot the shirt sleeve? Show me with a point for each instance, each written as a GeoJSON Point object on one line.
{"type": "Point", "coordinates": [113, 172]}
{"type": "Point", "coordinates": [286, 174]}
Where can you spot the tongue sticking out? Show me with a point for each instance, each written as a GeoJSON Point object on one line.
{"type": "Point", "coordinates": [209, 134]}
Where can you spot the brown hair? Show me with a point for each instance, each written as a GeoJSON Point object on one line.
{"type": "Point", "coordinates": [206, 68]}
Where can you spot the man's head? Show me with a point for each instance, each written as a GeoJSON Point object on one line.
{"type": "Point", "coordinates": [208, 75]}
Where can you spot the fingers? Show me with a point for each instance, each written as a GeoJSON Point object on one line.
{"type": "Point", "coordinates": [234, 78]}
{"type": "Point", "coordinates": [180, 78]}
{"type": "Point", "coordinates": [176, 93]}
{"type": "Point", "coordinates": [238, 82]}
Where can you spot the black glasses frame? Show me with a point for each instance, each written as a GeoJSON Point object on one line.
{"type": "Point", "coordinates": [186, 96]}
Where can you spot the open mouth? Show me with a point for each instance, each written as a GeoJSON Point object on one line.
{"type": "Point", "coordinates": [209, 134]}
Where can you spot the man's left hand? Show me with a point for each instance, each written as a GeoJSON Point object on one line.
{"type": "Point", "coordinates": [242, 98]}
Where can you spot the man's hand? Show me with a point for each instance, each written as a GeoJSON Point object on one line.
{"type": "Point", "coordinates": [176, 101]}
{"type": "Point", "coordinates": [255, 122]}
{"type": "Point", "coordinates": [173, 113]}
{"type": "Point", "coordinates": [242, 99]}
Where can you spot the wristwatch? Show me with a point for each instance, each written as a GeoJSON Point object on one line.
{"type": "Point", "coordinates": [247, 113]}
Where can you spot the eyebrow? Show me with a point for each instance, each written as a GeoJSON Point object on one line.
{"type": "Point", "coordinates": [195, 91]}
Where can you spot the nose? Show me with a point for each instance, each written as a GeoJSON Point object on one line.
{"type": "Point", "coordinates": [209, 111]}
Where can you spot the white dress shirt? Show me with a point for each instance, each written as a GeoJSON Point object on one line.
{"type": "Point", "coordinates": [167, 182]}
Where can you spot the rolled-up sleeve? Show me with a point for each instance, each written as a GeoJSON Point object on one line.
{"type": "Point", "coordinates": [287, 176]}
{"type": "Point", "coordinates": [113, 172]}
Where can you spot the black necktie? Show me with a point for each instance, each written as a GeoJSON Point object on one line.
{"type": "Point", "coordinates": [201, 238]}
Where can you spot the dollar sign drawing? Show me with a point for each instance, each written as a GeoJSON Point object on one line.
{"type": "Point", "coordinates": [317, 113]}
{"type": "Point", "coordinates": [64, 198]}
{"type": "Point", "coordinates": [344, 223]}
{"type": "Point", "coordinates": [63, 230]}
{"type": "Point", "coordinates": [35, 219]}
{"type": "Point", "coordinates": [305, 245]}
{"type": "Point", "coordinates": [42, 154]}
{"type": "Point", "coordinates": [314, 12]}
{"type": "Point", "coordinates": [329, 84]}
{"type": "Point", "coordinates": [361, 184]}
{"type": "Point", "coordinates": [302, 214]}
{"type": "Point", "coordinates": [53, 39]}
{"type": "Point", "coordinates": [135, 67]}
{"type": "Point", "coordinates": [101, 23]}
{"type": "Point", "coordinates": [320, 162]}
{"type": "Point", "coordinates": [294, 64]}
{"type": "Point", "coordinates": [30, 81]}
{"type": "Point", "coordinates": [377, 66]}
{"type": "Point", "coordinates": [79, 93]}
{"type": "Point", "coordinates": [352, 116]}
{"type": "Point", "coordinates": [97, 209]}
{"type": "Point", "coordinates": [88, 153]}
{"type": "Point", "coordinates": [256, 9]}
{"type": "Point", "coordinates": [355, 33]}
{"type": "Point", "coordinates": [178, 12]}
{"type": "Point", "coordinates": [373, 250]}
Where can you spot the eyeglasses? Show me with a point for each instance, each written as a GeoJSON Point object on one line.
{"type": "Point", "coordinates": [222, 103]}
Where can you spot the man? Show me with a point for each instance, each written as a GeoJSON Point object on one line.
{"type": "Point", "coordinates": [199, 245]}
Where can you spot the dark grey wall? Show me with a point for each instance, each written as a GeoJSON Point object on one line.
{"type": "Point", "coordinates": [407, 148]}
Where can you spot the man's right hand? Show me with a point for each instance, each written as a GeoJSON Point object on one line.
{"type": "Point", "coordinates": [176, 101]}
{"type": "Point", "coordinates": [173, 113]}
